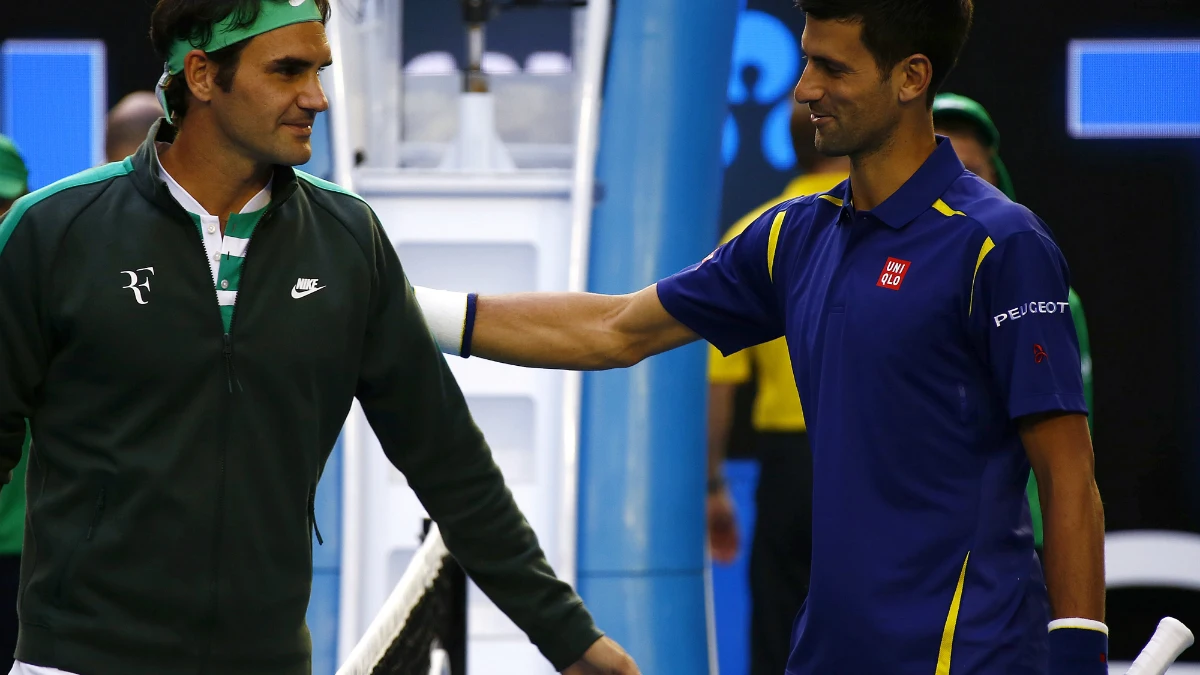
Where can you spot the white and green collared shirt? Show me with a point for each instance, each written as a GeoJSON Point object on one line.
{"type": "Point", "coordinates": [227, 252]}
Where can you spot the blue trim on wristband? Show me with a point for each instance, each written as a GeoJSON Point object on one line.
{"type": "Point", "coordinates": [469, 325]}
{"type": "Point", "coordinates": [1078, 651]}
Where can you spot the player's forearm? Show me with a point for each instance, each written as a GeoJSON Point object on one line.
{"type": "Point", "coordinates": [1073, 518]}
{"type": "Point", "coordinates": [573, 331]}
{"type": "Point", "coordinates": [720, 425]}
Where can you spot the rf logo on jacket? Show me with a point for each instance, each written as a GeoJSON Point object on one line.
{"type": "Point", "coordinates": [134, 278]}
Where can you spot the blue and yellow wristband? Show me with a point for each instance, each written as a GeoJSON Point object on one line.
{"type": "Point", "coordinates": [1078, 647]}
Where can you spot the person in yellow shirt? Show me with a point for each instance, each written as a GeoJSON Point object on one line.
{"type": "Point", "coordinates": [783, 530]}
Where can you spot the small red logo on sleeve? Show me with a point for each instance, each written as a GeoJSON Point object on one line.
{"type": "Point", "coordinates": [893, 274]}
{"type": "Point", "coordinates": [1039, 353]}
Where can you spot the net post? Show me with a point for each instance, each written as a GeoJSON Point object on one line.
{"type": "Point", "coordinates": [456, 640]}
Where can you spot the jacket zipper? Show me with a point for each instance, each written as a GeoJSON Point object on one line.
{"type": "Point", "coordinates": [230, 371]}
{"type": "Point", "coordinates": [231, 376]}
{"type": "Point", "coordinates": [227, 351]}
{"type": "Point", "coordinates": [228, 348]}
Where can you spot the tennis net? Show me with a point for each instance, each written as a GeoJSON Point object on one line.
{"type": "Point", "coordinates": [421, 628]}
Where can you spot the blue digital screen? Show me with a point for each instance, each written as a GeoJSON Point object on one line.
{"type": "Point", "coordinates": [52, 104]}
{"type": "Point", "coordinates": [1134, 88]}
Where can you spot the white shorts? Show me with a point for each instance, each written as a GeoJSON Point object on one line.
{"type": "Point", "coordinates": [26, 669]}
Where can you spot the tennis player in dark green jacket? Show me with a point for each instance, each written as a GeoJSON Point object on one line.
{"type": "Point", "coordinates": [184, 395]}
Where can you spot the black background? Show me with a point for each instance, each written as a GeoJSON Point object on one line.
{"type": "Point", "coordinates": [1125, 214]}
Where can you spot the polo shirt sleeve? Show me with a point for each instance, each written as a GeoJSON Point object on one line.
{"type": "Point", "coordinates": [1022, 321]}
{"type": "Point", "coordinates": [729, 298]}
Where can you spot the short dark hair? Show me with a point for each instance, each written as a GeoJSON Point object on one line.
{"type": "Point", "coordinates": [194, 20]}
{"type": "Point", "coordinates": [893, 30]}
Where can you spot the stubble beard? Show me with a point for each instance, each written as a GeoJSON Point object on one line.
{"type": "Point", "coordinates": [831, 145]}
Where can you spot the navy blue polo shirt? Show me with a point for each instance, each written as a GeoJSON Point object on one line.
{"type": "Point", "coordinates": [919, 332]}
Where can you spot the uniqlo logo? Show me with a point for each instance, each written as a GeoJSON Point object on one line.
{"type": "Point", "coordinates": [893, 274]}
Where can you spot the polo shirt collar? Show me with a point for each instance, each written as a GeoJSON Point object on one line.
{"type": "Point", "coordinates": [148, 179]}
{"type": "Point", "coordinates": [919, 192]}
{"type": "Point", "coordinates": [189, 203]}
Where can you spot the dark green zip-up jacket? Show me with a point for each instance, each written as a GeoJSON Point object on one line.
{"type": "Point", "coordinates": [174, 464]}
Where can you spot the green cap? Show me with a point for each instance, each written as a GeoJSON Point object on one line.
{"type": "Point", "coordinates": [274, 14]}
{"type": "Point", "coordinates": [14, 176]}
{"type": "Point", "coordinates": [957, 106]}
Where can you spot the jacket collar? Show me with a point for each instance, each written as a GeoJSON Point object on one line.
{"type": "Point", "coordinates": [147, 175]}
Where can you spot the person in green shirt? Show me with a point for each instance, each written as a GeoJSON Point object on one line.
{"type": "Point", "coordinates": [12, 532]}
{"type": "Point", "coordinates": [14, 183]}
{"type": "Point", "coordinates": [14, 176]}
{"type": "Point", "coordinates": [976, 141]}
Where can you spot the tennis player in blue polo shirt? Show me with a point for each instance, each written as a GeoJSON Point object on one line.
{"type": "Point", "coordinates": [932, 343]}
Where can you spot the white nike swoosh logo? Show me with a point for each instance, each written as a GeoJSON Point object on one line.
{"type": "Point", "coordinates": [300, 294]}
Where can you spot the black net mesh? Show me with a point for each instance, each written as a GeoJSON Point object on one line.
{"type": "Point", "coordinates": [421, 628]}
{"type": "Point", "coordinates": [433, 623]}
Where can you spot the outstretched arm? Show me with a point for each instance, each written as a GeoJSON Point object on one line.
{"type": "Point", "coordinates": [729, 298]}
{"type": "Point", "coordinates": [577, 331]}
{"type": "Point", "coordinates": [572, 331]}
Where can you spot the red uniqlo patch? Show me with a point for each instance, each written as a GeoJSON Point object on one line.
{"type": "Point", "coordinates": [893, 274]}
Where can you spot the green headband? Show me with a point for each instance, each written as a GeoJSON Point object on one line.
{"type": "Point", "coordinates": [274, 14]}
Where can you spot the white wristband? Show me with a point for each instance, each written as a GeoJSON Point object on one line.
{"type": "Point", "coordinates": [449, 316]}
{"type": "Point", "coordinates": [1086, 624]}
